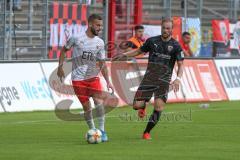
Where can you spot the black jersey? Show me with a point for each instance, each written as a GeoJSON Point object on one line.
{"type": "Point", "coordinates": [162, 56]}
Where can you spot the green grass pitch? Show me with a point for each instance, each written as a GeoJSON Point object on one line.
{"type": "Point", "coordinates": [185, 132]}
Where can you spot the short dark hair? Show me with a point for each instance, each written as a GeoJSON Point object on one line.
{"type": "Point", "coordinates": [186, 34]}
{"type": "Point", "coordinates": [93, 17]}
{"type": "Point", "coordinates": [138, 27]}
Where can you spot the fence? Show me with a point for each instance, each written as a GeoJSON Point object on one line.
{"type": "Point", "coordinates": [25, 32]}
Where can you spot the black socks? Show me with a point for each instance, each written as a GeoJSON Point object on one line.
{"type": "Point", "coordinates": [153, 120]}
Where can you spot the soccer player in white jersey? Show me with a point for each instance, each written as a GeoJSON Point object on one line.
{"type": "Point", "coordinates": [88, 50]}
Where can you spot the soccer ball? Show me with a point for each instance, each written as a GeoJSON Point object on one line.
{"type": "Point", "coordinates": [94, 136]}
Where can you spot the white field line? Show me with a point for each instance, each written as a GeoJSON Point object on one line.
{"type": "Point", "coordinates": [114, 116]}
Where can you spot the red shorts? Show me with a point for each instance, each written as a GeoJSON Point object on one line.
{"type": "Point", "coordinates": [84, 89]}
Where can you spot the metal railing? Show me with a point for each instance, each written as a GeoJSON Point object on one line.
{"type": "Point", "coordinates": [24, 32]}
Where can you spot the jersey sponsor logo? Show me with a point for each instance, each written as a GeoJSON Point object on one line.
{"type": "Point", "coordinates": [164, 56]}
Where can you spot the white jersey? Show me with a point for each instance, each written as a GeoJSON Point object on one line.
{"type": "Point", "coordinates": [86, 51]}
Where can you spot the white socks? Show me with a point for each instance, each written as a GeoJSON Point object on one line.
{"type": "Point", "coordinates": [100, 113]}
{"type": "Point", "coordinates": [89, 119]}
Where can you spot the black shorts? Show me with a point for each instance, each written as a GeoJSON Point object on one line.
{"type": "Point", "coordinates": [150, 86]}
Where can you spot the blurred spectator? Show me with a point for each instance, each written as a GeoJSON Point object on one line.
{"type": "Point", "coordinates": [135, 41]}
{"type": "Point", "coordinates": [185, 44]}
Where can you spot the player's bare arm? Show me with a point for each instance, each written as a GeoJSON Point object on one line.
{"type": "Point", "coordinates": [105, 74]}
{"type": "Point", "coordinates": [176, 83]}
{"type": "Point", "coordinates": [128, 54]}
{"type": "Point", "coordinates": [60, 72]}
{"type": "Point", "coordinates": [190, 52]}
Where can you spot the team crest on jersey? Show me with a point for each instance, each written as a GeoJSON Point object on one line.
{"type": "Point", "coordinates": [170, 48]}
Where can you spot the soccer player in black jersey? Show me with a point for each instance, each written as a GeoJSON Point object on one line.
{"type": "Point", "coordinates": [163, 51]}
